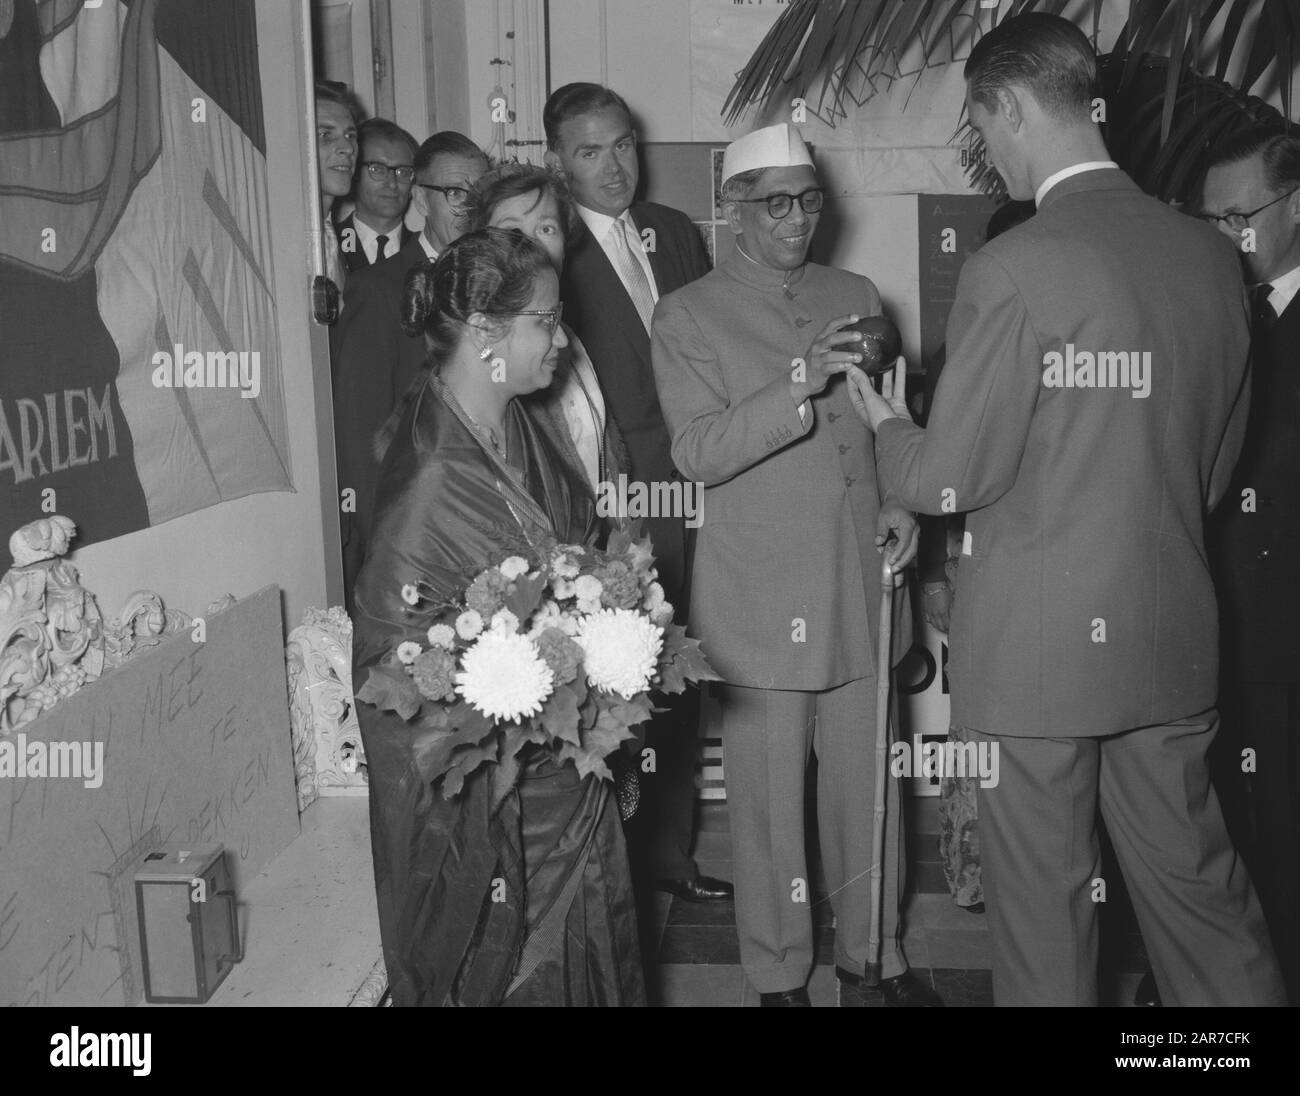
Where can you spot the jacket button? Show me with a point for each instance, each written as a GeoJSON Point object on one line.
{"type": "Point", "coordinates": [1263, 553]}
{"type": "Point", "coordinates": [844, 448]}
{"type": "Point", "coordinates": [848, 481]}
{"type": "Point", "coordinates": [831, 416]}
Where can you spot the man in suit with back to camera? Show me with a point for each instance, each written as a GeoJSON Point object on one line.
{"type": "Point", "coordinates": [374, 361]}
{"type": "Point", "coordinates": [1091, 410]}
{"type": "Point", "coordinates": [787, 570]}
{"type": "Point", "coordinates": [1252, 193]}
{"type": "Point", "coordinates": [375, 229]}
{"type": "Point", "coordinates": [627, 256]}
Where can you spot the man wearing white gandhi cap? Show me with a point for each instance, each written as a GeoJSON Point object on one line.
{"type": "Point", "coordinates": [785, 592]}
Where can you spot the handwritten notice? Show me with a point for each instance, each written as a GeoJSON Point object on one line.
{"type": "Point", "coordinates": [196, 748]}
{"type": "Point", "coordinates": [950, 227]}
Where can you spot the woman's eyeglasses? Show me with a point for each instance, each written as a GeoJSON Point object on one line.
{"type": "Point", "coordinates": [552, 314]}
{"type": "Point", "coordinates": [1240, 221]}
{"type": "Point", "coordinates": [457, 196]}
{"type": "Point", "coordinates": [381, 172]}
{"type": "Point", "coordinates": [779, 205]}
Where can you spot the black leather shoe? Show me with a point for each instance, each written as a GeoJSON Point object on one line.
{"type": "Point", "coordinates": [787, 998]}
{"type": "Point", "coordinates": [908, 991]}
{"type": "Point", "coordinates": [903, 991]}
{"type": "Point", "coordinates": [974, 907]}
{"type": "Point", "coordinates": [703, 888]}
{"type": "Point", "coordinates": [1147, 995]}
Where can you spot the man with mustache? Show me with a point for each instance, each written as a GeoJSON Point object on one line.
{"type": "Point", "coordinates": [787, 570]}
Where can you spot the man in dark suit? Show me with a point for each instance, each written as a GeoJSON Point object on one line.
{"type": "Point", "coordinates": [373, 360]}
{"type": "Point", "coordinates": [1091, 410]}
{"type": "Point", "coordinates": [375, 229]}
{"type": "Point", "coordinates": [1252, 192]}
{"type": "Point", "coordinates": [628, 255]}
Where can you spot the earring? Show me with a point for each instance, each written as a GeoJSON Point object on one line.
{"type": "Point", "coordinates": [486, 353]}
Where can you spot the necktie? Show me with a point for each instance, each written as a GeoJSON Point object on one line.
{"type": "Point", "coordinates": [1262, 315]}
{"type": "Point", "coordinates": [381, 245]}
{"type": "Point", "coordinates": [630, 271]}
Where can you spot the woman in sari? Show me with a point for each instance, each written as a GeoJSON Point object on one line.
{"type": "Point", "coordinates": [530, 902]}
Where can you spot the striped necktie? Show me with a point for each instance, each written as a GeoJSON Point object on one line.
{"type": "Point", "coordinates": [630, 271]}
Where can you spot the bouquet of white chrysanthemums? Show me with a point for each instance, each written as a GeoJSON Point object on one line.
{"type": "Point", "coordinates": [560, 649]}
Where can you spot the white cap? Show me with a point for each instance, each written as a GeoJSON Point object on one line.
{"type": "Point", "coordinates": [772, 146]}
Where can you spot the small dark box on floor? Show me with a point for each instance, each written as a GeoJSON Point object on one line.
{"type": "Point", "coordinates": [189, 928]}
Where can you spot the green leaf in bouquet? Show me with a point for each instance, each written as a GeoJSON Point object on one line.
{"type": "Point", "coordinates": [390, 689]}
{"type": "Point", "coordinates": [560, 717]}
{"type": "Point", "coordinates": [685, 654]}
{"type": "Point", "coordinates": [505, 774]}
{"type": "Point", "coordinates": [463, 763]}
{"type": "Point", "coordinates": [630, 712]}
{"type": "Point", "coordinates": [528, 595]}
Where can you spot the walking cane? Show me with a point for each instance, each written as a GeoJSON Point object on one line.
{"type": "Point", "coordinates": [883, 642]}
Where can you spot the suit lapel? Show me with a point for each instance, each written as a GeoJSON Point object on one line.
{"type": "Point", "coordinates": [591, 267]}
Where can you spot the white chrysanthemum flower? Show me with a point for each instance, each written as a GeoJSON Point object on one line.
{"type": "Point", "coordinates": [563, 566]}
{"type": "Point", "coordinates": [442, 635]}
{"type": "Point", "coordinates": [513, 567]}
{"type": "Point", "coordinates": [469, 624]}
{"type": "Point", "coordinates": [588, 588]}
{"type": "Point", "coordinates": [504, 677]}
{"type": "Point", "coordinates": [408, 652]}
{"type": "Point", "coordinates": [562, 588]}
{"type": "Point", "coordinates": [621, 650]}
{"type": "Point", "coordinates": [504, 621]}
{"type": "Point", "coordinates": [410, 594]}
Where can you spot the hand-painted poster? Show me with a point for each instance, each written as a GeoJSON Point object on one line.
{"type": "Point", "coordinates": [139, 355]}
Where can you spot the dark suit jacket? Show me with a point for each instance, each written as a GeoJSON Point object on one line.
{"type": "Point", "coordinates": [1257, 554]}
{"type": "Point", "coordinates": [1085, 506]}
{"type": "Point", "coordinates": [601, 312]}
{"type": "Point", "coordinates": [374, 363]}
{"type": "Point", "coordinates": [355, 258]}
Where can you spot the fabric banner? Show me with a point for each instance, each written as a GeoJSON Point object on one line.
{"type": "Point", "coordinates": [139, 354]}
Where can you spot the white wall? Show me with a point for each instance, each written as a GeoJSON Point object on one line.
{"type": "Point", "coordinates": [239, 547]}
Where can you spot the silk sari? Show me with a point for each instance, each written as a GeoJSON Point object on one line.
{"type": "Point", "coordinates": [529, 903]}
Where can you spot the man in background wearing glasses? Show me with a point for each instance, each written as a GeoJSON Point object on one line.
{"type": "Point", "coordinates": [787, 571]}
{"type": "Point", "coordinates": [1252, 193]}
{"type": "Point", "coordinates": [374, 230]}
{"type": "Point", "coordinates": [373, 360]}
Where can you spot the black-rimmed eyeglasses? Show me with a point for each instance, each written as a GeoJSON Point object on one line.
{"type": "Point", "coordinates": [456, 196]}
{"type": "Point", "coordinates": [381, 172]}
{"type": "Point", "coordinates": [779, 205]}
{"type": "Point", "coordinates": [1240, 221]}
{"type": "Point", "coordinates": [553, 315]}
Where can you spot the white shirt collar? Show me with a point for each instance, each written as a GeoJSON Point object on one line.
{"type": "Point", "coordinates": [429, 249]}
{"type": "Point", "coordinates": [1066, 172]}
{"type": "Point", "coordinates": [1285, 287]}
{"type": "Point", "coordinates": [367, 235]}
{"type": "Point", "coordinates": [599, 224]}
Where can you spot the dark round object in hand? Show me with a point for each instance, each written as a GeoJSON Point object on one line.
{"type": "Point", "coordinates": [881, 343]}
